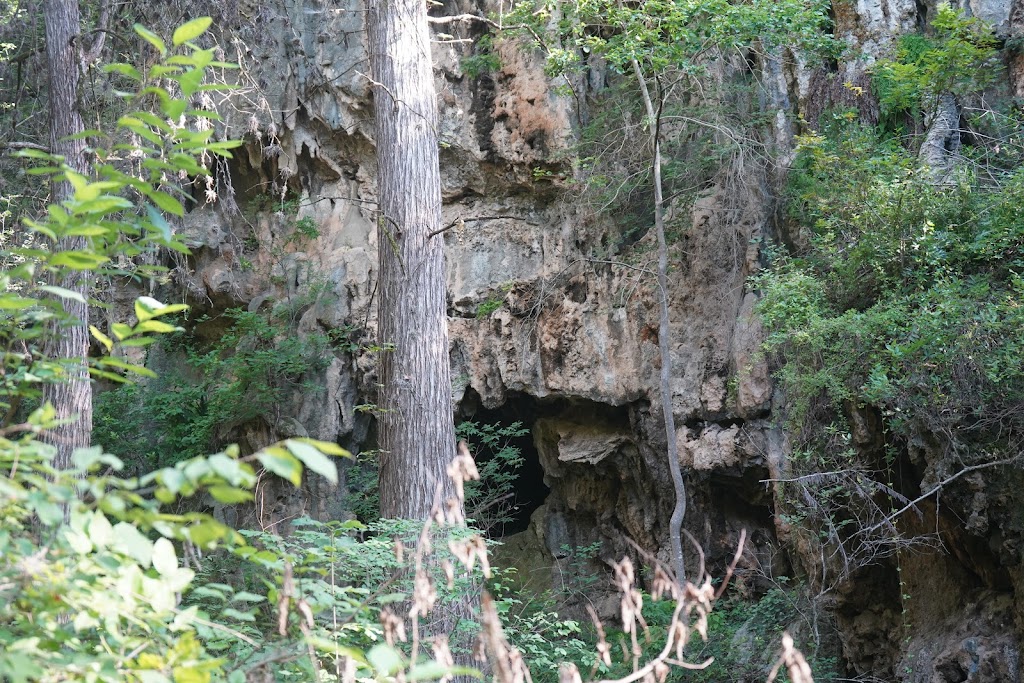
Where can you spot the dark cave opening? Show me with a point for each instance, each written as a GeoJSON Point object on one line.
{"type": "Point", "coordinates": [526, 491]}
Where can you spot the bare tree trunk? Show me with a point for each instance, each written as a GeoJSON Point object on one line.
{"type": "Point", "coordinates": [664, 332]}
{"type": "Point", "coordinates": [69, 341]}
{"type": "Point", "coordinates": [417, 432]}
{"type": "Point", "coordinates": [941, 147]}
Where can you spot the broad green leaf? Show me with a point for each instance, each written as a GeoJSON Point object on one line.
{"type": "Point", "coordinates": [161, 70]}
{"type": "Point", "coordinates": [157, 326]}
{"type": "Point", "coordinates": [63, 293]}
{"type": "Point", "coordinates": [151, 38]}
{"type": "Point", "coordinates": [129, 541]}
{"type": "Point", "coordinates": [77, 260]}
{"type": "Point", "coordinates": [172, 479]}
{"type": "Point", "coordinates": [207, 592]}
{"type": "Point", "coordinates": [88, 231]}
{"type": "Point", "coordinates": [190, 81]}
{"type": "Point", "coordinates": [160, 223]}
{"type": "Point", "coordinates": [209, 531]}
{"type": "Point", "coordinates": [165, 561]}
{"type": "Point", "coordinates": [245, 596]}
{"type": "Point", "coordinates": [328, 646]}
{"type": "Point", "coordinates": [233, 613]}
{"type": "Point", "coordinates": [167, 202]}
{"type": "Point", "coordinates": [124, 69]}
{"type": "Point", "coordinates": [127, 367]}
{"type": "Point", "coordinates": [328, 447]}
{"type": "Point", "coordinates": [100, 530]}
{"type": "Point", "coordinates": [139, 341]}
{"type": "Point", "coordinates": [103, 205]}
{"type": "Point", "coordinates": [121, 331]}
{"type": "Point", "coordinates": [432, 671]}
{"type": "Point", "coordinates": [13, 302]}
{"type": "Point", "coordinates": [140, 129]}
{"type": "Point", "coordinates": [282, 463]}
{"type": "Point", "coordinates": [103, 374]}
{"type": "Point", "coordinates": [313, 459]}
{"type": "Point", "coordinates": [190, 30]}
{"type": "Point", "coordinates": [153, 120]}
{"type": "Point", "coordinates": [36, 154]}
{"type": "Point", "coordinates": [147, 307]}
{"type": "Point", "coordinates": [229, 495]}
{"type": "Point", "coordinates": [78, 541]}
{"type": "Point", "coordinates": [174, 107]}
{"type": "Point", "coordinates": [80, 183]}
{"type": "Point", "coordinates": [385, 659]}
{"type": "Point", "coordinates": [49, 513]}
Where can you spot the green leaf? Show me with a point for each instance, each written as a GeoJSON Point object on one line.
{"type": "Point", "coordinates": [140, 129]}
{"type": "Point", "coordinates": [313, 459]}
{"type": "Point", "coordinates": [121, 331]}
{"type": "Point", "coordinates": [385, 659]}
{"type": "Point", "coordinates": [328, 646]}
{"type": "Point", "coordinates": [279, 461]}
{"type": "Point", "coordinates": [100, 531]}
{"type": "Point", "coordinates": [208, 592]}
{"type": "Point", "coordinates": [153, 120]}
{"type": "Point", "coordinates": [160, 223]}
{"type": "Point", "coordinates": [124, 69]}
{"type": "Point", "coordinates": [127, 367]}
{"type": "Point", "coordinates": [103, 205]}
{"type": "Point", "coordinates": [151, 38]}
{"type": "Point", "coordinates": [245, 596]}
{"type": "Point", "coordinates": [164, 559]}
{"type": "Point", "coordinates": [190, 30]}
{"type": "Point", "coordinates": [129, 541]}
{"type": "Point", "coordinates": [328, 447]}
{"type": "Point", "coordinates": [146, 307]}
{"type": "Point", "coordinates": [77, 260]}
{"type": "Point", "coordinates": [431, 671]}
{"type": "Point", "coordinates": [190, 81]}
{"type": "Point", "coordinates": [157, 326]}
{"type": "Point", "coordinates": [235, 614]}
{"type": "Point", "coordinates": [64, 293]}
{"type": "Point", "coordinates": [13, 302]}
{"type": "Point", "coordinates": [167, 202]}
{"type": "Point", "coordinates": [229, 495]}
{"type": "Point", "coordinates": [209, 531]}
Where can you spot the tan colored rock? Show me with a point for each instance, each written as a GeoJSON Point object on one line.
{"type": "Point", "coordinates": [753, 380]}
{"type": "Point", "coordinates": [714, 447]}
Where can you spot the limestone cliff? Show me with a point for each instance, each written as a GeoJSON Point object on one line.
{"type": "Point", "coordinates": [549, 323]}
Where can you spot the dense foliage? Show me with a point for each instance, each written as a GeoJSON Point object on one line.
{"type": "Point", "coordinates": [900, 298]}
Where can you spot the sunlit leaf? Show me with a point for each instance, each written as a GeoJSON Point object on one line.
{"type": "Point", "coordinates": [313, 459]}
{"type": "Point", "coordinates": [190, 30]}
{"type": "Point", "coordinates": [152, 38]}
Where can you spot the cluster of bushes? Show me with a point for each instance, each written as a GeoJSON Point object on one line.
{"type": "Point", "coordinates": [895, 314]}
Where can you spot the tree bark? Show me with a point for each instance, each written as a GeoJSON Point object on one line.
{"type": "Point", "coordinates": [1015, 59]}
{"type": "Point", "coordinates": [664, 332]}
{"type": "Point", "coordinates": [69, 339]}
{"type": "Point", "coordinates": [416, 427]}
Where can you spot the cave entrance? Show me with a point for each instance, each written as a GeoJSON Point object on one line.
{"type": "Point", "coordinates": [507, 495]}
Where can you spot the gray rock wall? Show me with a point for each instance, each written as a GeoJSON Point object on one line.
{"type": "Point", "coordinates": [573, 328]}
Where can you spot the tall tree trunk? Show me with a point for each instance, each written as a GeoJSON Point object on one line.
{"type": "Point", "coordinates": [664, 332]}
{"type": "Point", "coordinates": [69, 341]}
{"type": "Point", "coordinates": [417, 432]}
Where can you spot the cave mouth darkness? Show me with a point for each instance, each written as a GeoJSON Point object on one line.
{"type": "Point", "coordinates": [527, 488]}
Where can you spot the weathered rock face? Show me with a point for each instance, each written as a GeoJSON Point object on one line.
{"type": "Point", "coordinates": [535, 312]}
